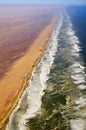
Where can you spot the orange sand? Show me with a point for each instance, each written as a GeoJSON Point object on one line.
{"type": "Point", "coordinates": [13, 84]}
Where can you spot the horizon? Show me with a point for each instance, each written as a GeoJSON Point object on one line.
{"type": "Point", "coordinates": [58, 4]}
{"type": "Point", "coordinates": [38, 2]}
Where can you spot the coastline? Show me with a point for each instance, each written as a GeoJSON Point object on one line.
{"type": "Point", "coordinates": [43, 38]}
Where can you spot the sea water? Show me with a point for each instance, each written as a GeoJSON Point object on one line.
{"type": "Point", "coordinates": [56, 96]}
{"type": "Point", "coordinates": [30, 103]}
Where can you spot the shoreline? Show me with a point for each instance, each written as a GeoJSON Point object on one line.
{"type": "Point", "coordinates": [25, 79]}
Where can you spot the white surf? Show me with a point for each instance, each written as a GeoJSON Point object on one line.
{"type": "Point", "coordinates": [30, 103]}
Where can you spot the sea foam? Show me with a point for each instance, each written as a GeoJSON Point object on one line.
{"type": "Point", "coordinates": [35, 90]}
{"type": "Point", "coordinates": [78, 76]}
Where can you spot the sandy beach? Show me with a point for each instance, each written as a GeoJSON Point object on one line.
{"type": "Point", "coordinates": [14, 80]}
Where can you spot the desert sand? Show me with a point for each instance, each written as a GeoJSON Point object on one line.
{"type": "Point", "coordinates": [20, 51]}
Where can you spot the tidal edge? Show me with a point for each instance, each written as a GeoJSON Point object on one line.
{"type": "Point", "coordinates": [5, 117]}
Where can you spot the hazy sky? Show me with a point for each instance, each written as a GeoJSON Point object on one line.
{"type": "Point", "coordinates": [44, 1]}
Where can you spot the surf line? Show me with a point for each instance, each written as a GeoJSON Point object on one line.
{"type": "Point", "coordinates": [78, 76]}
{"type": "Point", "coordinates": [30, 103]}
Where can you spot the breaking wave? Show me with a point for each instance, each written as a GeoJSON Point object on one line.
{"type": "Point", "coordinates": [30, 103]}
{"type": "Point", "coordinates": [57, 90]}
{"type": "Point", "coordinates": [78, 76]}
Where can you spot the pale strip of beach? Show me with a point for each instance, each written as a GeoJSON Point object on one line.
{"type": "Point", "coordinates": [14, 83]}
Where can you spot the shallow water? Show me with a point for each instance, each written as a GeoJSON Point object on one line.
{"type": "Point", "coordinates": [30, 103]}
{"type": "Point", "coordinates": [64, 100]}
{"type": "Point", "coordinates": [56, 97]}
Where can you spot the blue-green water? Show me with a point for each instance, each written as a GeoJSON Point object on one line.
{"type": "Point", "coordinates": [56, 97]}
{"type": "Point", "coordinates": [64, 101]}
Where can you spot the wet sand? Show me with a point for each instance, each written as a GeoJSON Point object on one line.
{"type": "Point", "coordinates": [23, 41]}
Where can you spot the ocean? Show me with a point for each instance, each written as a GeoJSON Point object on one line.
{"type": "Point", "coordinates": [78, 19]}
{"type": "Point", "coordinates": [56, 96]}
